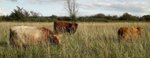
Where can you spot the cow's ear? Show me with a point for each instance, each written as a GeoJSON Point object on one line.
{"type": "Point", "coordinates": [140, 29]}
{"type": "Point", "coordinates": [76, 25]}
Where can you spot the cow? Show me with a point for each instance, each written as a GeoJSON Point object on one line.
{"type": "Point", "coordinates": [126, 33]}
{"type": "Point", "coordinates": [63, 27]}
{"type": "Point", "coordinates": [22, 36]}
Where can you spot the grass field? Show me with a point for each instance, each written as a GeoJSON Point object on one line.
{"type": "Point", "coordinates": [92, 40]}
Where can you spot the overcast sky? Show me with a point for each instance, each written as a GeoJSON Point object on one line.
{"type": "Point", "coordinates": [86, 7]}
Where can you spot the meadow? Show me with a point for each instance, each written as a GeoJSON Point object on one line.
{"type": "Point", "coordinates": [92, 40]}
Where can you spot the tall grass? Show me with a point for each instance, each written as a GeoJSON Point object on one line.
{"type": "Point", "coordinates": [92, 40]}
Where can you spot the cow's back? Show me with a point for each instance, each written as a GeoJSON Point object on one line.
{"type": "Point", "coordinates": [63, 26]}
{"type": "Point", "coordinates": [60, 26]}
{"type": "Point", "coordinates": [24, 35]}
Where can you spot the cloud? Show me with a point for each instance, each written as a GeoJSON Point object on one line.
{"type": "Point", "coordinates": [13, 0]}
{"type": "Point", "coordinates": [2, 12]}
{"type": "Point", "coordinates": [8, 0]}
{"type": "Point", "coordinates": [123, 7]}
{"type": "Point", "coordinates": [36, 1]}
{"type": "Point", "coordinates": [132, 6]}
{"type": "Point", "coordinates": [96, 6]}
{"type": "Point", "coordinates": [44, 1]}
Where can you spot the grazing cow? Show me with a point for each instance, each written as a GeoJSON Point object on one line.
{"type": "Point", "coordinates": [63, 26]}
{"type": "Point", "coordinates": [125, 33]}
{"type": "Point", "coordinates": [21, 36]}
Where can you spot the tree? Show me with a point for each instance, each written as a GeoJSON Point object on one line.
{"type": "Point", "coordinates": [72, 8]}
{"type": "Point", "coordinates": [146, 17]}
{"type": "Point", "coordinates": [1, 18]}
{"type": "Point", "coordinates": [54, 17]}
{"type": "Point", "coordinates": [128, 17]}
{"type": "Point", "coordinates": [100, 15]}
{"type": "Point", "coordinates": [18, 14]}
{"type": "Point", "coordinates": [34, 14]}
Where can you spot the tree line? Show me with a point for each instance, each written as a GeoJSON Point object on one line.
{"type": "Point", "coordinates": [20, 14]}
{"type": "Point", "coordinates": [109, 18]}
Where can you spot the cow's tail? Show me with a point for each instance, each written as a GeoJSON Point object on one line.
{"type": "Point", "coordinates": [11, 37]}
{"type": "Point", "coordinates": [55, 23]}
{"type": "Point", "coordinates": [120, 34]}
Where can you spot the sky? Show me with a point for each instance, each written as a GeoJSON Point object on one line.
{"type": "Point", "coordinates": [86, 7]}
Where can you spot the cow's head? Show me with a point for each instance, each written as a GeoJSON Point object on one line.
{"type": "Point", "coordinates": [72, 27]}
{"type": "Point", "coordinates": [56, 39]}
{"type": "Point", "coordinates": [139, 29]}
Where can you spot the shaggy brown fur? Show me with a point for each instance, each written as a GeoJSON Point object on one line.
{"type": "Point", "coordinates": [63, 26]}
{"type": "Point", "coordinates": [125, 33]}
{"type": "Point", "coordinates": [21, 36]}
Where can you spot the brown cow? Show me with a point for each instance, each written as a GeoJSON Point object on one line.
{"type": "Point", "coordinates": [21, 36]}
{"type": "Point", "coordinates": [126, 33]}
{"type": "Point", "coordinates": [63, 26]}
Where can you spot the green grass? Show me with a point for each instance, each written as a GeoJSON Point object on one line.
{"type": "Point", "coordinates": [92, 40]}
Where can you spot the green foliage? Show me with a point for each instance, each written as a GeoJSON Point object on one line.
{"type": "Point", "coordinates": [146, 17]}
{"type": "Point", "coordinates": [21, 14]}
{"type": "Point", "coordinates": [1, 18]}
{"type": "Point", "coordinates": [54, 17]}
{"type": "Point", "coordinates": [18, 14]}
{"type": "Point", "coordinates": [34, 14]}
{"type": "Point", "coordinates": [99, 16]}
{"type": "Point", "coordinates": [128, 17]}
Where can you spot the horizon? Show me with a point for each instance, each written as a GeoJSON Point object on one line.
{"type": "Point", "coordinates": [86, 7]}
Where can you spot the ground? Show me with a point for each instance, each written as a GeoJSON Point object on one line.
{"type": "Point", "coordinates": [92, 40]}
